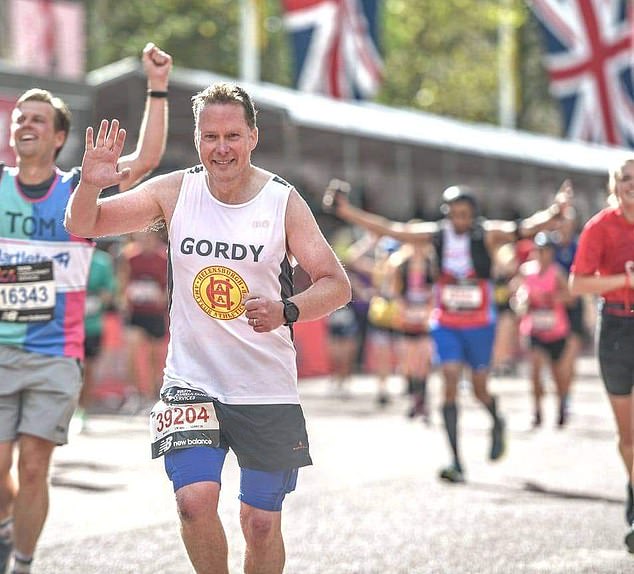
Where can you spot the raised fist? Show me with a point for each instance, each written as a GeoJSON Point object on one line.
{"type": "Point", "coordinates": [336, 192]}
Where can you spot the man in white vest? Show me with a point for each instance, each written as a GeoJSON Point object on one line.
{"type": "Point", "coordinates": [235, 232]}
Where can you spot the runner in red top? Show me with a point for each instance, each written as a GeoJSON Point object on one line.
{"type": "Point", "coordinates": [143, 278]}
{"type": "Point", "coordinates": [604, 266]}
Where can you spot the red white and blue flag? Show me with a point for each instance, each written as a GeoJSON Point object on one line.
{"type": "Point", "coordinates": [335, 46]}
{"type": "Point", "coordinates": [589, 61]}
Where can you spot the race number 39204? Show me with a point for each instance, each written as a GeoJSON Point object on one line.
{"type": "Point", "coordinates": [177, 416]}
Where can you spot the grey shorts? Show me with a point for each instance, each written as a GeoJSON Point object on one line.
{"type": "Point", "coordinates": [38, 394]}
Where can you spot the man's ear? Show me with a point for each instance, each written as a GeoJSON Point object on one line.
{"type": "Point", "coordinates": [60, 140]}
{"type": "Point", "coordinates": [254, 138]}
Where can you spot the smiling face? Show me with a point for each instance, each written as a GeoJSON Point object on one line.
{"type": "Point", "coordinates": [623, 188]}
{"type": "Point", "coordinates": [33, 132]}
{"type": "Point", "coordinates": [225, 141]}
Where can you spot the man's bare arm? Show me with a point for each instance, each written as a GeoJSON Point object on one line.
{"type": "Point", "coordinates": [330, 287]}
{"type": "Point", "coordinates": [499, 232]}
{"type": "Point", "coordinates": [336, 201]}
{"type": "Point", "coordinates": [153, 132]}
{"type": "Point", "coordinates": [88, 216]}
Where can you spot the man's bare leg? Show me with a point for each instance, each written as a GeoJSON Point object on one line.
{"type": "Point", "coordinates": [8, 488]}
{"type": "Point", "coordinates": [201, 529]}
{"type": "Point", "coordinates": [262, 531]}
{"type": "Point", "coordinates": [8, 491]}
{"type": "Point", "coordinates": [31, 502]}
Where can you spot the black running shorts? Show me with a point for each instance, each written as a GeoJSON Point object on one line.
{"type": "Point", "coordinates": [154, 326]}
{"type": "Point", "coordinates": [265, 437]}
{"type": "Point", "coordinates": [554, 349]}
{"type": "Point", "coordinates": [616, 359]}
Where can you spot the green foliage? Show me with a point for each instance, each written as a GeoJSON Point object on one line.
{"type": "Point", "coordinates": [441, 56]}
{"type": "Point", "coordinates": [200, 34]}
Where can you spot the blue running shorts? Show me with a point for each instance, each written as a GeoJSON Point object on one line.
{"type": "Point", "coordinates": [258, 488]}
{"type": "Point", "coordinates": [472, 346]}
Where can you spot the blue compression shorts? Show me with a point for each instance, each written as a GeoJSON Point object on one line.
{"type": "Point", "coordinates": [258, 488]}
{"type": "Point", "coordinates": [472, 346]}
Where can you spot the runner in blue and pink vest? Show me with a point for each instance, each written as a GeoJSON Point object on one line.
{"type": "Point", "coordinates": [43, 276]}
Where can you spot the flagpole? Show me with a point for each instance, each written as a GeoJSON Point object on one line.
{"type": "Point", "coordinates": [507, 89]}
{"type": "Point", "coordinates": [249, 56]}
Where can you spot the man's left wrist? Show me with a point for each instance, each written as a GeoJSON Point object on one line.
{"type": "Point", "coordinates": [290, 311]}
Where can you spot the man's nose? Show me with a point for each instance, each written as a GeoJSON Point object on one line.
{"type": "Point", "coordinates": [223, 146]}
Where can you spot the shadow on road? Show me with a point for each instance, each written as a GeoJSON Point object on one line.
{"type": "Point", "coordinates": [536, 488]}
{"type": "Point", "coordinates": [93, 481]}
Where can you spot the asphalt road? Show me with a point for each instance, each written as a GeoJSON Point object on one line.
{"type": "Point", "coordinates": [372, 503]}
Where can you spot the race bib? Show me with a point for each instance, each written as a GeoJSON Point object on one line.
{"type": "Point", "coordinates": [461, 297]}
{"type": "Point", "coordinates": [543, 319]}
{"type": "Point", "coordinates": [144, 291]}
{"type": "Point", "coordinates": [181, 419]}
{"type": "Point", "coordinates": [27, 292]}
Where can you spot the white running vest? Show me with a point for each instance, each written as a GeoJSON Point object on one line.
{"type": "Point", "coordinates": [456, 256]}
{"type": "Point", "coordinates": [218, 252]}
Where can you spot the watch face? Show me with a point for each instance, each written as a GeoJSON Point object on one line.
{"type": "Point", "coordinates": [291, 312]}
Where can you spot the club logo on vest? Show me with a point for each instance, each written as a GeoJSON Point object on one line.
{"type": "Point", "coordinates": [218, 291]}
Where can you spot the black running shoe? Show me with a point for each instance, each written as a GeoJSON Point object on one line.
{"type": "Point", "coordinates": [498, 439]}
{"type": "Point", "coordinates": [452, 473]}
{"type": "Point", "coordinates": [629, 504]}
{"type": "Point", "coordinates": [6, 548]}
{"type": "Point", "coordinates": [563, 412]}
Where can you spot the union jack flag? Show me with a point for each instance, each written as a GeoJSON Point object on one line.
{"type": "Point", "coordinates": [335, 46]}
{"type": "Point", "coordinates": [589, 61]}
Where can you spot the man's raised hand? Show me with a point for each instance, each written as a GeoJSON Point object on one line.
{"type": "Point", "coordinates": [336, 193]}
{"type": "Point", "coordinates": [157, 65]}
{"type": "Point", "coordinates": [99, 165]}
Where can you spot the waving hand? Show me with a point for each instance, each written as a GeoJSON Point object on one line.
{"type": "Point", "coordinates": [99, 165]}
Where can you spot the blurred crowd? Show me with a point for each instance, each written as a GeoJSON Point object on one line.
{"type": "Point", "coordinates": [126, 325]}
{"type": "Point", "coordinates": [383, 330]}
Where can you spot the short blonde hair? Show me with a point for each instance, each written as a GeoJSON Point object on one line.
{"type": "Point", "coordinates": [224, 93]}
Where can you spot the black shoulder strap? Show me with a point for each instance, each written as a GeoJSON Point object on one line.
{"type": "Point", "coordinates": [480, 256]}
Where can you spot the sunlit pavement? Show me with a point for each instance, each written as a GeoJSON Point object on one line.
{"type": "Point", "coordinates": [372, 503]}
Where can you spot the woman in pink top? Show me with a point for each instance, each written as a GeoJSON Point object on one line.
{"type": "Point", "coordinates": [541, 294]}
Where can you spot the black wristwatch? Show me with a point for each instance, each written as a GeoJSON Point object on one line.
{"type": "Point", "coordinates": [291, 312]}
